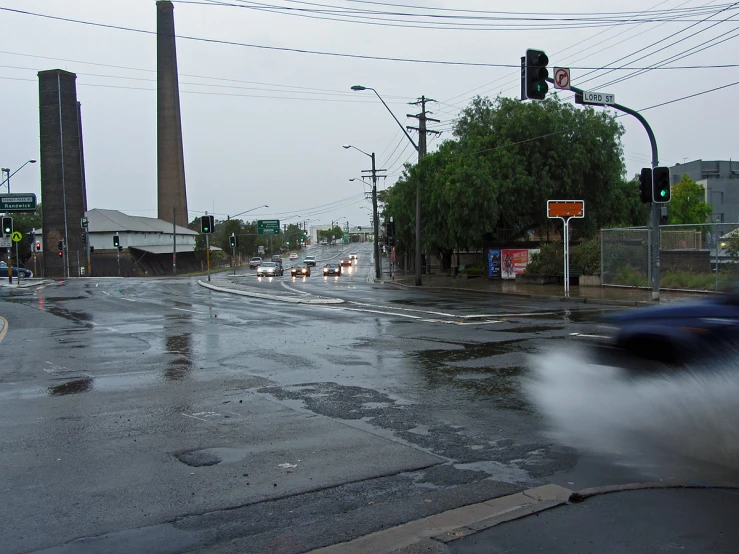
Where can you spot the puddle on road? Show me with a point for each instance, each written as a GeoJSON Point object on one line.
{"type": "Point", "coordinates": [72, 387]}
{"type": "Point", "coordinates": [78, 317]}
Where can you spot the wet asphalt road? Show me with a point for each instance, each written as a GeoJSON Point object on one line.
{"type": "Point", "coordinates": [156, 415]}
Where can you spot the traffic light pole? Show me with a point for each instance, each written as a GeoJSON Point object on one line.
{"type": "Point", "coordinates": [654, 215]}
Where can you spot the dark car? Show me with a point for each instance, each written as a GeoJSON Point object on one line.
{"type": "Point", "coordinates": [332, 269]}
{"type": "Point", "coordinates": [345, 260]}
{"type": "Point", "coordinates": [679, 332]}
{"type": "Point", "coordinates": [276, 258]}
{"type": "Point", "coordinates": [300, 270]}
{"type": "Point", "coordinates": [25, 273]}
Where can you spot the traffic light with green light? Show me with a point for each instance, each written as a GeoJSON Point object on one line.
{"type": "Point", "coordinates": [661, 184]}
{"type": "Point", "coordinates": [206, 224]}
{"type": "Point", "coordinates": [232, 240]}
{"type": "Point", "coordinates": [7, 225]}
{"type": "Point", "coordinates": [116, 241]}
{"type": "Point", "coordinates": [536, 74]}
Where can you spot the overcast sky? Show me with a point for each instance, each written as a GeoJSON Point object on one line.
{"type": "Point", "coordinates": [267, 127]}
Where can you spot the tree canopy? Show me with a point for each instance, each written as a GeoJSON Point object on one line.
{"type": "Point", "coordinates": [688, 204]}
{"type": "Point", "coordinates": [506, 160]}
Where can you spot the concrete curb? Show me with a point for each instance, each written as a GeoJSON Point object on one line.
{"type": "Point", "coordinates": [25, 285]}
{"type": "Point", "coordinates": [454, 524]}
{"type": "Point", "coordinates": [573, 299]}
{"type": "Point", "coordinates": [430, 534]}
{"type": "Point", "coordinates": [288, 299]}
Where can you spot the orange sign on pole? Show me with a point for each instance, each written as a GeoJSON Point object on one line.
{"type": "Point", "coordinates": [566, 208]}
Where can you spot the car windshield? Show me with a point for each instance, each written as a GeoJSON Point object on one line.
{"type": "Point", "coordinates": [256, 259]}
{"type": "Point", "coordinates": [269, 264]}
{"type": "Point", "coordinates": [332, 266]}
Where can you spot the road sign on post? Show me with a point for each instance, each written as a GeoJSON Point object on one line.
{"type": "Point", "coordinates": [562, 77]}
{"type": "Point", "coordinates": [566, 210]}
{"type": "Point", "coordinates": [18, 202]}
{"type": "Point", "coordinates": [268, 226]}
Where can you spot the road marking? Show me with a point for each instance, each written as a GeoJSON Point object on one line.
{"type": "Point", "coordinates": [403, 309]}
{"type": "Point", "coordinates": [191, 311]}
{"type": "Point", "coordinates": [105, 292]}
{"type": "Point", "coordinates": [288, 287]}
{"type": "Point", "coordinates": [5, 328]}
{"type": "Point", "coordinates": [377, 312]}
{"type": "Point", "coordinates": [192, 416]}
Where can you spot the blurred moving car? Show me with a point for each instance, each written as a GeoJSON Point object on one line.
{"type": "Point", "coordinates": [332, 269]}
{"type": "Point", "coordinates": [310, 260]}
{"type": "Point", "coordinates": [345, 261]}
{"type": "Point", "coordinates": [255, 262]}
{"type": "Point", "coordinates": [15, 271]}
{"type": "Point", "coordinates": [353, 257]}
{"type": "Point", "coordinates": [678, 332]}
{"type": "Point", "coordinates": [300, 270]}
{"type": "Point", "coordinates": [293, 256]}
{"type": "Point", "coordinates": [270, 269]}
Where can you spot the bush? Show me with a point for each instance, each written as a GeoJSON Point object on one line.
{"type": "Point", "coordinates": [475, 269]}
{"type": "Point", "coordinates": [586, 256]}
{"type": "Point", "coordinates": [549, 261]}
{"type": "Point", "coordinates": [630, 277]}
{"type": "Point", "coordinates": [687, 280]}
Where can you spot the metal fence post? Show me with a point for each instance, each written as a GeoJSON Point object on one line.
{"type": "Point", "coordinates": [649, 257]}
{"type": "Point", "coordinates": [602, 268]}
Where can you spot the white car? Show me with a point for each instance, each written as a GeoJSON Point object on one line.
{"type": "Point", "coordinates": [293, 256]}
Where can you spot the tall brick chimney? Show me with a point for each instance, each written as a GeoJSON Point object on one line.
{"type": "Point", "coordinates": [171, 190]}
{"type": "Point", "coordinates": [63, 194]}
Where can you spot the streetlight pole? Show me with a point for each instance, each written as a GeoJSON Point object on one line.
{"type": "Point", "coordinates": [421, 153]}
{"type": "Point", "coordinates": [246, 212]}
{"type": "Point", "coordinates": [6, 171]}
{"type": "Point", "coordinates": [375, 223]}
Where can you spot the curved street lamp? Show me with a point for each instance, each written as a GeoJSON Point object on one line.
{"type": "Point", "coordinates": [247, 211]}
{"type": "Point", "coordinates": [6, 170]}
{"type": "Point", "coordinates": [376, 223]}
{"type": "Point", "coordinates": [418, 187]}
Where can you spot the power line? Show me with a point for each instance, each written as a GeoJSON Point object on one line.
{"type": "Point", "coordinates": [321, 52]}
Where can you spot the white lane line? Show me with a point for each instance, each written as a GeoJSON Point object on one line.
{"type": "Point", "coordinates": [377, 312]}
{"type": "Point", "coordinates": [191, 311]}
{"type": "Point", "coordinates": [404, 309]}
{"type": "Point", "coordinates": [192, 416]}
{"type": "Point", "coordinates": [288, 287]}
{"type": "Point", "coordinates": [105, 292]}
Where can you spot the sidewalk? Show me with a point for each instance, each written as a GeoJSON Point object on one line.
{"type": "Point", "coordinates": [621, 296]}
{"type": "Point", "coordinates": [639, 518]}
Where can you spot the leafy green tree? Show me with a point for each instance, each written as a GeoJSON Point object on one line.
{"type": "Point", "coordinates": [688, 204]}
{"type": "Point", "coordinates": [337, 232]}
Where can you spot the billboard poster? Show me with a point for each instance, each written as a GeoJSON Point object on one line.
{"type": "Point", "coordinates": [494, 263]}
{"type": "Point", "coordinates": [514, 262]}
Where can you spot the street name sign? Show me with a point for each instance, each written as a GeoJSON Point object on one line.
{"type": "Point", "coordinates": [589, 97]}
{"type": "Point", "coordinates": [268, 226]}
{"type": "Point", "coordinates": [18, 202]}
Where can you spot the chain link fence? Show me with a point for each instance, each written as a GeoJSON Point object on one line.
{"type": "Point", "coordinates": [692, 257]}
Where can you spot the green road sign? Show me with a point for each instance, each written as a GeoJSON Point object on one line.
{"type": "Point", "coordinates": [25, 202]}
{"type": "Point", "coordinates": [268, 226]}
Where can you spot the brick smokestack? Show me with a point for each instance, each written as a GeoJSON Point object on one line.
{"type": "Point", "coordinates": [171, 191]}
{"type": "Point", "coordinates": [63, 194]}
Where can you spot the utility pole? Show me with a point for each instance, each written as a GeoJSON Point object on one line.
{"type": "Point", "coordinates": [207, 249]}
{"type": "Point", "coordinates": [375, 218]}
{"type": "Point", "coordinates": [422, 132]}
{"type": "Point", "coordinates": [174, 241]}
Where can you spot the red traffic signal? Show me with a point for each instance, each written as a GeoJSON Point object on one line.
{"type": "Point", "coordinates": [61, 254]}
{"type": "Point", "coordinates": [38, 246]}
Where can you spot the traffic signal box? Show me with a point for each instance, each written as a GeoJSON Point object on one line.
{"type": "Point", "coordinates": [661, 184]}
{"type": "Point", "coordinates": [206, 224]}
{"type": "Point", "coordinates": [536, 74]}
{"type": "Point", "coordinates": [7, 225]}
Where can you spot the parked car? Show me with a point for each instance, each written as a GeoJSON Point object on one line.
{"type": "Point", "coordinates": [270, 269]}
{"type": "Point", "coordinates": [310, 260]}
{"type": "Point", "coordinates": [293, 256]}
{"type": "Point", "coordinates": [23, 272]}
{"type": "Point", "coordinates": [678, 332]}
{"type": "Point", "coordinates": [255, 262]}
{"type": "Point", "coordinates": [332, 269]}
{"type": "Point", "coordinates": [300, 270]}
